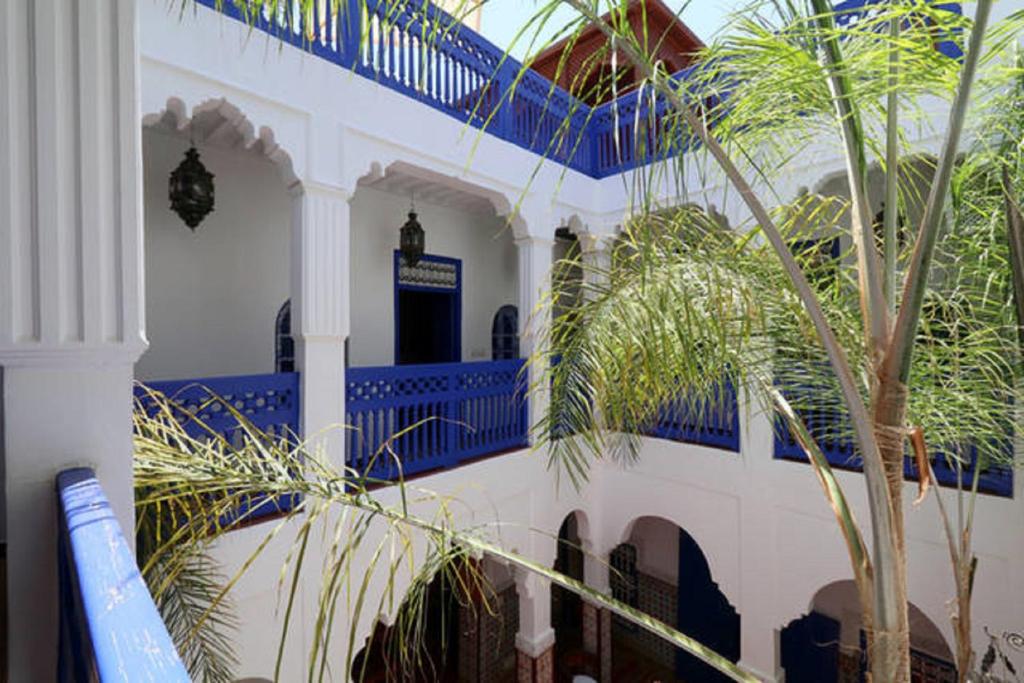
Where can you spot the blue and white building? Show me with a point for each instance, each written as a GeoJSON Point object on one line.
{"type": "Point", "coordinates": [291, 295]}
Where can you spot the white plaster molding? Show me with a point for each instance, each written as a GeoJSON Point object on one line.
{"type": "Point", "coordinates": [70, 356]}
{"type": "Point", "coordinates": [222, 117]}
{"type": "Point", "coordinates": [536, 645]}
{"type": "Point", "coordinates": [320, 271]}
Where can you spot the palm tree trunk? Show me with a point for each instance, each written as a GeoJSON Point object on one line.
{"type": "Point", "coordinates": [890, 656]}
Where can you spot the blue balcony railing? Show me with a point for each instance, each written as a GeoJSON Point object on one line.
{"type": "Point", "coordinates": [712, 423]}
{"type": "Point", "coordinates": [449, 413]}
{"type": "Point", "coordinates": [420, 51]}
{"type": "Point", "coordinates": [110, 629]}
{"type": "Point", "coordinates": [831, 427]}
{"type": "Point", "coordinates": [269, 402]}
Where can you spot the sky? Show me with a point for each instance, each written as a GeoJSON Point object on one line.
{"type": "Point", "coordinates": [502, 18]}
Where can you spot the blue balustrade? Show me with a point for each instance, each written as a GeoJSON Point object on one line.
{"type": "Point", "coordinates": [433, 416]}
{"type": "Point", "coordinates": [830, 426]}
{"type": "Point", "coordinates": [270, 403]}
{"type": "Point", "coordinates": [422, 52]}
{"type": "Point", "coordinates": [714, 422]}
{"type": "Point", "coordinates": [851, 12]}
{"type": "Point", "coordinates": [110, 629]}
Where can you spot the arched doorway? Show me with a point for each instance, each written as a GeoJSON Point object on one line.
{"type": "Point", "coordinates": [661, 570]}
{"type": "Point", "coordinates": [827, 644]}
{"type": "Point", "coordinates": [704, 613]}
{"type": "Point", "coordinates": [505, 333]}
{"type": "Point", "coordinates": [433, 622]}
{"type": "Point", "coordinates": [566, 606]}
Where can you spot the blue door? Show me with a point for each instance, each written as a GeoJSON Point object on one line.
{"type": "Point", "coordinates": [810, 649]}
{"type": "Point", "coordinates": [704, 613]}
{"type": "Point", "coordinates": [428, 310]}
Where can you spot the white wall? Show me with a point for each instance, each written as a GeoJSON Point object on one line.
{"type": "Point", "coordinates": [657, 548]}
{"type": "Point", "coordinates": [481, 241]}
{"type": "Point", "coordinates": [212, 296]}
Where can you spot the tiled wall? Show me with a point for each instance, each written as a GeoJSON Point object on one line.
{"type": "Point", "coordinates": [487, 647]}
{"type": "Point", "coordinates": [658, 599]}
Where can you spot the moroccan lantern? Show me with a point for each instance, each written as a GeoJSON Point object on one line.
{"type": "Point", "coordinates": [191, 190]}
{"type": "Point", "coordinates": [412, 240]}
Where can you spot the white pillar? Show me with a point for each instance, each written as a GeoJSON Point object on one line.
{"type": "Point", "coordinates": [535, 640]}
{"type": "Point", "coordinates": [758, 540]}
{"type": "Point", "coordinates": [535, 255]}
{"type": "Point", "coordinates": [71, 304]}
{"type": "Point", "coordinates": [597, 621]}
{"type": "Point", "coordinates": [320, 313]}
{"type": "Point", "coordinates": [595, 253]}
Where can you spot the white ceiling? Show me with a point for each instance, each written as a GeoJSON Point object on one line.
{"type": "Point", "coordinates": [411, 182]}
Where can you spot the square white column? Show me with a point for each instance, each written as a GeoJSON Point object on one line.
{"type": "Point", "coordinates": [535, 257]}
{"type": "Point", "coordinates": [71, 302]}
{"type": "Point", "coordinates": [320, 313]}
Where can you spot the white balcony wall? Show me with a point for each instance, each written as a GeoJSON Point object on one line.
{"type": "Point", "coordinates": [481, 241]}
{"type": "Point", "coordinates": [212, 296]}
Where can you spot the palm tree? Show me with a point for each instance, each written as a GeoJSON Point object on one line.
{"type": "Point", "coordinates": [916, 343]}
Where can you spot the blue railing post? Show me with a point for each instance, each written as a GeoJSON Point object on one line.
{"type": "Point", "coordinates": [521, 120]}
{"type": "Point", "coordinates": [453, 419]}
{"type": "Point", "coordinates": [350, 31]}
{"type": "Point", "coordinates": [505, 119]}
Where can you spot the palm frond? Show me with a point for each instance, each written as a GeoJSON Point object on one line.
{"type": "Point", "coordinates": [370, 547]}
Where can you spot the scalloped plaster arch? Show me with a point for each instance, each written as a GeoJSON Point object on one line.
{"type": "Point", "coordinates": [724, 568]}
{"type": "Point", "coordinates": [224, 124]}
{"type": "Point", "coordinates": [732, 595]}
{"type": "Point", "coordinates": [919, 615]}
{"type": "Point", "coordinates": [384, 161]}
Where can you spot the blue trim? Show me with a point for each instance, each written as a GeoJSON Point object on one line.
{"type": "Point", "coordinates": [270, 402]}
{"type": "Point", "coordinates": [527, 109]}
{"type": "Point", "coordinates": [840, 452]}
{"type": "Point", "coordinates": [121, 639]}
{"type": "Point", "coordinates": [717, 424]}
{"type": "Point", "coordinates": [463, 411]}
{"type": "Point", "coordinates": [455, 339]}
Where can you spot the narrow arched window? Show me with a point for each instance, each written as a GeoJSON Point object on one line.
{"type": "Point", "coordinates": [505, 334]}
{"type": "Point", "coordinates": [284, 343]}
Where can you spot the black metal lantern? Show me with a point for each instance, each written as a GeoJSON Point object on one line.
{"type": "Point", "coordinates": [191, 190]}
{"type": "Point", "coordinates": [412, 240]}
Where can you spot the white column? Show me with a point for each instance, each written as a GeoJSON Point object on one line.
{"type": "Point", "coordinates": [536, 639]}
{"type": "Point", "coordinates": [759, 628]}
{"type": "Point", "coordinates": [320, 313]}
{"type": "Point", "coordinates": [71, 304]}
{"type": "Point", "coordinates": [535, 255]}
{"type": "Point", "coordinates": [595, 253]}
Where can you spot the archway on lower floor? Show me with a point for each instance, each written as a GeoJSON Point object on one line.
{"type": "Point", "coordinates": [466, 632]}
{"type": "Point", "coordinates": [662, 571]}
{"type": "Point", "coordinates": [433, 623]}
{"type": "Point", "coordinates": [826, 645]}
{"type": "Point", "coordinates": [566, 606]}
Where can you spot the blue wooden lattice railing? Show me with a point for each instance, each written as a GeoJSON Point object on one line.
{"type": "Point", "coordinates": [269, 402]}
{"type": "Point", "coordinates": [452, 411]}
{"type": "Point", "coordinates": [420, 51]}
{"type": "Point", "coordinates": [110, 629]}
{"type": "Point", "coordinates": [831, 427]}
{"type": "Point", "coordinates": [714, 423]}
